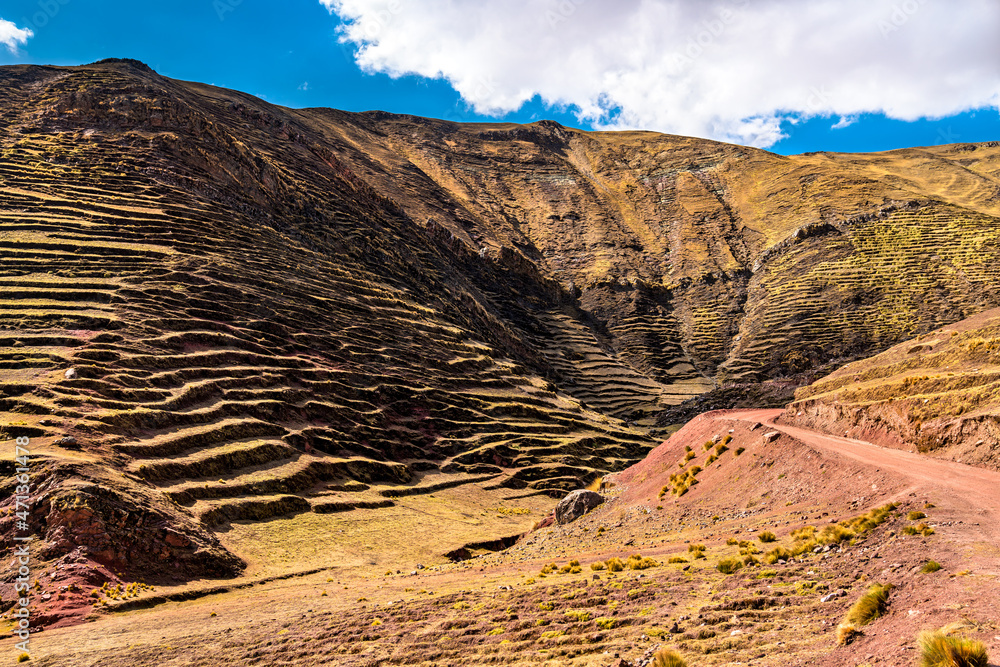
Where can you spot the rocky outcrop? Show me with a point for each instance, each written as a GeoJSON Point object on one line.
{"type": "Point", "coordinates": [576, 504]}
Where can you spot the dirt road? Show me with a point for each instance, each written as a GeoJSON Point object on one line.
{"type": "Point", "coordinates": [976, 488]}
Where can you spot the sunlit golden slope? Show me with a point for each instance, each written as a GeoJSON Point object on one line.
{"type": "Point", "coordinates": [319, 323]}
{"type": "Point", "coordinates": [938, 394]}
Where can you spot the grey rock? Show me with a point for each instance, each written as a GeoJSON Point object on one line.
{"type": "Point", "coordinates": [68, 442]}
{"type": "Point", "coordinates": [576, 504]}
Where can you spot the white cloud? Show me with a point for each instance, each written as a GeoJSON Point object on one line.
{"type": "Point", "coordinates": [11, 36]}
{"type": "Point", "coordinates": [724, 69]}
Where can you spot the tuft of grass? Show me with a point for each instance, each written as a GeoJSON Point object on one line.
{"type": "Point", "coordinates": [915, 515]}
{"type": "Point", "coordinates": [739, 450]}
{"type": "Point", "coordinates": [776, 554]}
{"type": "Point", "coordinates": [578, 615]}
{"type": "Point", "coordinates": [804, 533]}
{"type": "Point", "coordinates": [731, 542]}
{"type": "Point", "coordinates": [696, 547]}
{"type": "Point", "coordinates": [930, 566]}
{"type": "Point", "coordinates": [859, 525]}
{"type": "Point", "coordinates": [638, 562]}
{"type": "Point", "coordinates": [598, 566]}
{"type": "Point", "coordinates": [614, 564]}
{"type": "Point", "coordinates": [767, 536]}
{"type": "Point", "coordinates": [847, 633]}
{"type": "Point", "coordinates": [676, 559]}
{"type": "Point", "coordinates": [920, 529]}
{"type": "Point", "coordinates": [729, 565]}
{"type": "Point", "coordinates": [605, 623]}
{"type": "Point", "coordinates": [869, 606]}
{"type": "Point", "coordinates": [940, 650]}
{"type": "Point", "coordinates": [667, 658]}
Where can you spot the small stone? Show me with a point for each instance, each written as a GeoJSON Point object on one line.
{"type": "Point", "coordinates": [71, 374]}
{"type": "Point", "coordinates": [69, 442]}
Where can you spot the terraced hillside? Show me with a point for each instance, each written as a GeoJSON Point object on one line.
{"type": "Point", "coordinates": [251, 332]}
{"type": "Point", "coordinates": [225, 324]}
{"type": "Point", "coordinates": [938, 394]}
{"type": "Point", "coordinates": [703, 260]}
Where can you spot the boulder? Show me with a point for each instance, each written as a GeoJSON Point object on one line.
{"type": "Point", "coordinates": [576, 504]}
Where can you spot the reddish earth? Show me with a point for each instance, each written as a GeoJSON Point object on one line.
{"type": "Point", "coordinates": [975, 488]}
{"type": "Point", "coordinates": [498, 608]}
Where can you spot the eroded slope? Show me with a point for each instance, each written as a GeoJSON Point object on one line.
{"type": "Point", "coordinates": [937, 394]}
{"type": "Point", "coordinates": [297, 322]}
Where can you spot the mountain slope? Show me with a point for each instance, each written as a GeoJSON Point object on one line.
{"type": "Point", "coordinates": [938, 394]}
{"type": "Point", "coordinates": [315, 323]}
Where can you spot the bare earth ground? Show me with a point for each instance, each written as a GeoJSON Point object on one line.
{"type": "Point", "coordinates": [497, 608]}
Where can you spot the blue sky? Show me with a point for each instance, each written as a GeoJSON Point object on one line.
{"type": "Point", "coordinates": [290, 53]}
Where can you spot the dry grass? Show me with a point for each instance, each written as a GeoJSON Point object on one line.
{"type": "Point", "coordinates": [729, 565]}
{"type": "Point", "coordinates": [920, 529]}
{"type": "Point", "coordinates": [940, 650]}
{"type": "Point", "coordinates": [639, 562]}
{"type": "Point", "coordinates": [614, 564]}
{"type": "Point", "coordinates": [776, 554]}
{"type": "Point", "coordinates": [871, 605]}
{"type": "Point", "coordinates": [846, 634]}
{"type": "Point", "coordinates": [668, 658]}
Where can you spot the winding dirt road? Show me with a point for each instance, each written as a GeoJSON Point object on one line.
{"type": "Point", "coordinates": [976, 488]}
